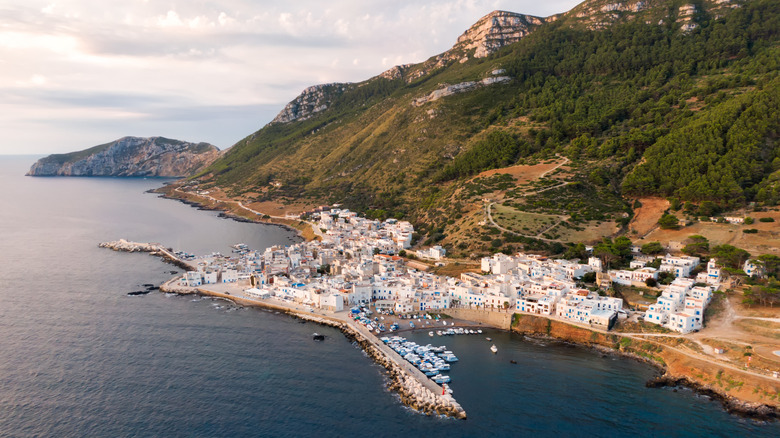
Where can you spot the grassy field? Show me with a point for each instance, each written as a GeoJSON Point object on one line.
{"type": "Point", "coordinates": [585, 232]}
{"type": "Point", "coordinates": [760, 327]}
{"type": "Point", "coordinates": [521, 222]}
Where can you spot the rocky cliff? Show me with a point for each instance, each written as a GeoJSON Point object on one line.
{"type": "Point", "coordinates": [496, 30]}
{"type": "Point", "coordinates": [313, 100]}
{"type": "Point", "coordinates": [130, 156]}
{"type": "Point", "coordinates": [492, 32]}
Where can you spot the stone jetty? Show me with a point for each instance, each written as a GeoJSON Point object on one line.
{"type": "Point", "coordinates": [414, 388]}
{"type": "Point", "coordinates": [152, 248]}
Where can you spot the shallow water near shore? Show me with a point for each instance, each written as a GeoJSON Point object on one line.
{"type": "Point", "coordinates": [79, 357]}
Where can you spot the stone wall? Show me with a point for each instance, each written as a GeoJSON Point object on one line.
{"type": "Point", "coordinates": [502, 320]}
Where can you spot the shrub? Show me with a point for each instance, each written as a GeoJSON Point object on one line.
{"type": "Point", "coordinates": [668, 221]}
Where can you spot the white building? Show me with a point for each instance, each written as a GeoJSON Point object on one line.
{"type": "Point", "coordinates": [679, 266]}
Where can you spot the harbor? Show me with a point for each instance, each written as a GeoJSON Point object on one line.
{"type": "Point", "coordinates": [413, 386]}
{"type": "Point", "coordinates": [415, 389]}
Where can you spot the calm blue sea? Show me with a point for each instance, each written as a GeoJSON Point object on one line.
{"type": "Point", "coordinates": [79, 357]}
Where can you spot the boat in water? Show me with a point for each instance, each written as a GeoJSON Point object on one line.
{"type": "Point", "coordinates": [494, 349]}
{"type": "Point", "coordinates": [430, 334]}
{"type": "Point", "coordinates": [318, 337]}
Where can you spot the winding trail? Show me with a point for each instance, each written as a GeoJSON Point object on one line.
{"type": "Point", "coordinates": [561, 217]}
{"type": "Point", "coordinates": [314, 227]}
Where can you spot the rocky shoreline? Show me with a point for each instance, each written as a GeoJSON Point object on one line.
{"type": "Point", "coordinates": [222, 213]}
{"type": "Point", "coordinates": [732, 405]}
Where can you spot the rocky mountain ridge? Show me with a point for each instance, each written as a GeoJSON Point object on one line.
{"type": "Point", "coordinates": [499, 29]}
{"type": "Point", "coordinates": [130, 157]}
{"type": "Point", "coordinates": [492, 32]}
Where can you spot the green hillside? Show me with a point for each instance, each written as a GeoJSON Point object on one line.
{"type": "Point", "coordinates": [663, 101]}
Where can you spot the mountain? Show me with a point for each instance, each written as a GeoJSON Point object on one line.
{"type": "Point", "coordinates": [130, 156]}
{"type": "Point", "coordinates": [665, 98]}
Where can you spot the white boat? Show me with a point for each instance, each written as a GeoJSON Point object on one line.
{"type": "Point", "coordinates": [488, 339]}
{"type": "Point", "coordinates": [430, 334]}
{"type": "Point", "coordinates": [494, 349]}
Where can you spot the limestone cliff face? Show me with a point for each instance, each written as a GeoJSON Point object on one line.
{"type": "Point", "coordinates": [496, 30]}
{"type": "Point", "coordinates": [130, 156]}
{"type": "Point", "coordinates": [313, 100]}
{"type": "Point", "coordinates": [492, 32]}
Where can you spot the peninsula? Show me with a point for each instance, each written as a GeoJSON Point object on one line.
{"type": "Point", "coordinates": [130, 157]}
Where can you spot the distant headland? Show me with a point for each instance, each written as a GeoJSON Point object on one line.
{"type": "Point", "coordinates": [130, 157]}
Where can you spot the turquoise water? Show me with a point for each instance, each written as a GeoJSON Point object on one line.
{"type": "Point", "coordinates": [78, 357]}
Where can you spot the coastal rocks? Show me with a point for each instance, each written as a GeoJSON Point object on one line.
{"type": "Point", "coordinates": [153, 248]}
{"type": "Point", "coordinates": [732, 405]}
{"type": "Point", "coordinates": [130, 157]}
{"type": "Point", "coordinates": [409, 389]}
{"type": "Point", "coordinates": [128, 246]}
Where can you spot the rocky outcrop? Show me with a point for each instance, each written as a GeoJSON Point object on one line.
{"type": "Point", "coordinates": [130, 156]}
{"type": "Point", "coordinates": [449, 90]}
{"type": "Point", "coordinates": [496, 30]}
{"type": "Point", "coordinates": [313, 100]}
{"type": "Point", "coordinates": [154, 249]}
{"type": "Point", "coordinates": [492, 32]}
{"type": "Point", "coordinates": [599, 14]}
{"type": "Point", "coordinates": [733, 405]}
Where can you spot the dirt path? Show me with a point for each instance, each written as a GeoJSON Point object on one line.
{"type": "Point", "coordinates": [493, 222]}
{"type": "Point", "coordinates": [313, 226]}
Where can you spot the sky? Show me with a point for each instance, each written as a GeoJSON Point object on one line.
{"type": "Point", "coordinates": [78, 73]}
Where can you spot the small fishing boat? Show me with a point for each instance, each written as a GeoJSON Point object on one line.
{"type": "Point", "coordinates": [494, 349]}
{"type": "Point", "coordinates": [318, 337]}
{"type": "Point", "coordinates": [430, 334]}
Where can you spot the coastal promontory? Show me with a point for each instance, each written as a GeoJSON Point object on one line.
{"type": "Point", "coordinates": [130, 157]}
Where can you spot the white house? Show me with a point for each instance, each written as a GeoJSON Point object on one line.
{"type": "Point", "coordinates": [192, 278]}
{"type": "Point", "coordinates": [752, 269]}
{"type": "Point", "coordinates": [683, 323]}
{"type": "Point", "coordinates": [679, 266]}
{"type": "Point", "coordinates": [210, 277]}
{"type": "Point", "coordinates": [332, 302]}
{"type": "Point", "coordinates": [229, 276]}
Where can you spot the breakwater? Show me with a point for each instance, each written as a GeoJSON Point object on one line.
{"type": "Point", "coordinates": [155, 249]}
{"type": "Point", "coordinates": [415, 390]}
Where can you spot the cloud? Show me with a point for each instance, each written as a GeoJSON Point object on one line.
{"type": "Point", "coordinates": [140, 65]}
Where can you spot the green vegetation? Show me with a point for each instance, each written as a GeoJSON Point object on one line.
{"type": "Point", "coordinates": [668, 221]}
{"type": "Point", "coordinates": [498, 149]}
{"type": "Point", "coordinates": [652, 248]}
{"type": "Point", "coordinates": [639, 109]}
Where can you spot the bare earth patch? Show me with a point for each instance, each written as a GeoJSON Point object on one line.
{"type": "Point", "coordinates": [646, 217]}
{"type": "Point", "coordinates": [523, 173]}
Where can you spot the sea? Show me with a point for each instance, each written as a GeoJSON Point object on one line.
{"type": "Point", "coordinates": [81, 358]}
